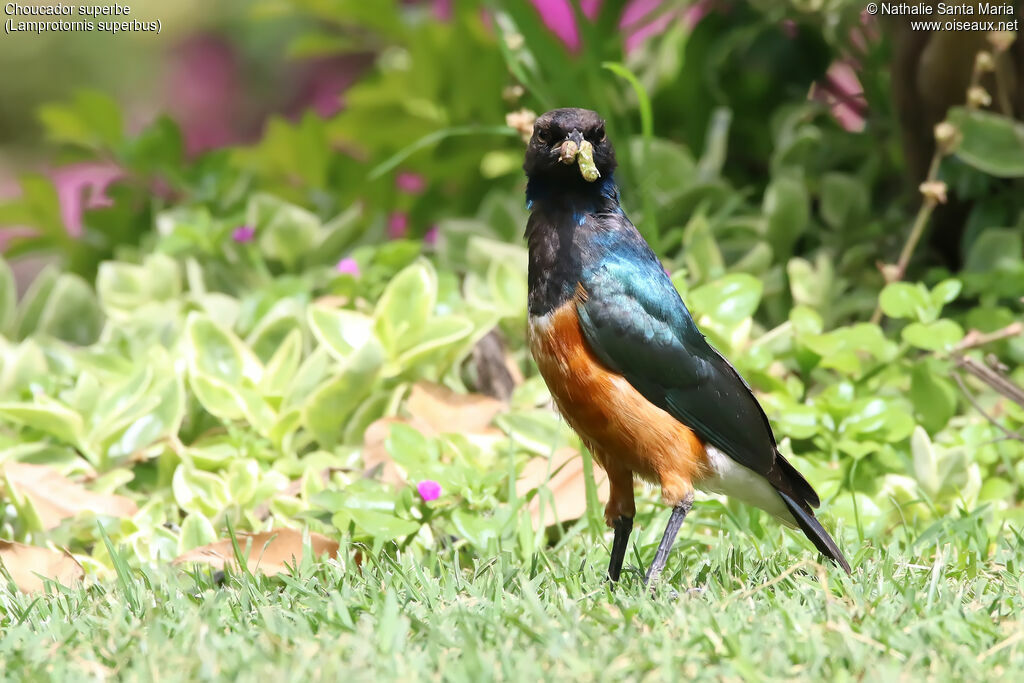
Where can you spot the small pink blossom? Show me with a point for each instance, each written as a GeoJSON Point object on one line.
{"type": "Point", "coordinates": [243, 234]}
{"type": "Point", "coordinates": [398, 225]}
{"type": "Point", "coordinates": [560, 19]}
{"type": "Point", "coordinates": [431, 237]}
{"type": "Point", "coordinates": [81, 187]}
{"type": "Point", "coordinates": [411, 183]}
{"type": "Point", "coordinates": [348, 266]}
{"type": "Point", "coordinates": [443, 10]}
{"type": "Point", "coordinates": [429, 490]}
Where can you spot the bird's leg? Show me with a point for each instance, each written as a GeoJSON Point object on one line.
{"type": "Point", "coordinates": [668, 538]}
{"type": "Point", "coordinates": [623, 526]}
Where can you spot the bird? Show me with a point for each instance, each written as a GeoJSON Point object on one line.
{"type": "Point", "coordinates": [626, 365]}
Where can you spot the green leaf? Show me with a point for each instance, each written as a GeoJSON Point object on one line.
{"type": "Point", "coordinates": [990, 142]}
{"type": "Point", "coordinates": [933, 396]}
{"type": "Point", "coordinates": [284, 319]}
{"type": "Point", "coordinates": [946, 291]}
{"type": "Point", "coordinates": [47, 416]}
{"type": "Point", "coordinates": [91, 119]}
{"type": "Point", "coordinates": [438, 335]}
{"type": "Point", "coordinates": [993, 250]}
{"type": "Point", "coordinates": [926, 469]}
{"type": "Point", "coordinates": [703, 257]}
{"type": "Point", "coordinates": [199, 492]}
{"type": "Point", "coordinates": [476, 529]}
{"type": "Point", "coordinates": [727, 300]}
{"type": "Point", "coordinates": [342, 332]}
{"type": "Point", "coordinates": [406, 304]}
{"type": "Point", "coordinates": [811, 284]}
{"type": "Point", "coordinates": [34, 301]}
{"type": "Point", "coordinates": [8, 299]}
{"type": "Point", "coordinates": [940, 335]}
{"type": "Point", "coordinates": [286, 232]}
{"type": "Point", "coordinates": [806, 320]}
{"type": "Point", "coordinates": [196, 531]}
{"type": "Point", "coordinates": [218, 397]}
{"type": "Point", "coordinates": [163, 417]}
{"type": "Point", "coordinates": [71, 312]}
{"type": "Point", "coordinates": [218, 353]}
{"type": "Point", "coordinates": [23, 364]}
{"type": "Point", "coordinates": [881, 418]}
{"type": "Point", "coordinates": [844, 200]}
{"type": "Point", "coordinates": [379, 525]}
{"type": "Point", "coordinates": [282, 366]}
{"type": "Point", "coordinates": [330, 406]}
{"type": "Point", "coordinates": [905, 300]}
{"type": "Point", "coordinates": [839, 348]}
{"type": "Point", "coordinates": [125, 287]}
{"type": "Point", "coordinates": [787, 210]}
{"type": "Point", "coordinates": [507, 284]}
{"type": "Point", "coordinates": [538, 431]}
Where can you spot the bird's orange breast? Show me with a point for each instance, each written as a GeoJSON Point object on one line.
{"type": "Point", "coordinates": [619, 425]}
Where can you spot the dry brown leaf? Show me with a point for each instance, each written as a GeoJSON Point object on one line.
{"type": "Point", "coordinates": [27, 565]}
{"type": "Point", "coordinates": [55, 497]}
{"type": "Point", "coordinates": [446, 411]}
{"type": "Point", "coordinates": [270, 552]}
{"type": "Point", "coordinates": [568, 486]}
{"type": "Point", "coordinates": [433, 410]}
{"type": "Point", "coordinates": [376, 459]}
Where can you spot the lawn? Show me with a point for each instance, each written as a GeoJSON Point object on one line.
{"type": "Point", "coordinates": [945, 605]}
{"type": "Point", "coordinates": [283, 293]}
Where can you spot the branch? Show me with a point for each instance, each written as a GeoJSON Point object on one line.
{"type": "Point", "coordinates": [970, 399]}
{"type": "Point", "coordinates": [974, 338]}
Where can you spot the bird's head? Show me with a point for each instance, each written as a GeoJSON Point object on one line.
{"type": "Point", "coordinates": [554, 151]}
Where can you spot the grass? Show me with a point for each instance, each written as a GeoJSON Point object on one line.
{"type": "Point", "coordinates": [946, 604]}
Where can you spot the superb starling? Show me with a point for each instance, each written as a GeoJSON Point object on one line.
{"type": "Point", "coordinates": [626, 364]}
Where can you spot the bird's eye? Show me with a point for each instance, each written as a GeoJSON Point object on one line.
{"type": "Point", "coordinates": [543, 135]}
{"type": "Point", "coordinates": [599, 134]}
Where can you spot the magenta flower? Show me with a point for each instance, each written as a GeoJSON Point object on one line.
{"type": "Point", "coordinates": [411, 183]}
{"type": "Point", "coordinates": [429, 490]}
{"type": "Point", "coordinates": [558, 16]}
{"type": "Point", "coordinates": [81, 187]}
{"type": "Point", "coordinates": [348, 266]}
{"type": "Point", "coordinates": [431, 237]}
{"type": "Point", "coordinates": [398, 225]}
{"type": "Point", "coordinates": [243, 234]}
{"type": "Point", "coordinates": [443, 10]}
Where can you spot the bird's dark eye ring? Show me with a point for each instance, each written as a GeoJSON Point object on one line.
{"type": "Point", "coordinates": [599, 134]}
{"type": "Point", "coordinates": [543, 135]}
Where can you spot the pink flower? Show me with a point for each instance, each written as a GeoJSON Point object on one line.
{"type": "Point", "coordinates": [348, 266]}
{"type": "Point", "coordinates": [443, 10]}
{"type": "Point", "coordinates": [398, 225]}
{"type": "Point", "coordinates": [558, 16]}
{"type": "Point", "coordinates": [429, 490]}
{"type": "Point", "coordinates": [431, 237]}
{"type": "Point", "coordinates": [243, 234]}
{"type": "Point", "coordinates": [411, 183]}
{"type": "Point", "coordinates": [80, 187]}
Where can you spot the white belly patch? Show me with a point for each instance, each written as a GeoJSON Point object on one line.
{"type": "Point", "coordinates": [732, 479]}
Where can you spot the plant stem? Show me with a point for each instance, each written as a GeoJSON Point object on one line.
{"type": "Point", "coordinates": [916, 232]}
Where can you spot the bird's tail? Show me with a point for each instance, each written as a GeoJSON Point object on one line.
{"type": "Point", "coordinates": [812, 528]}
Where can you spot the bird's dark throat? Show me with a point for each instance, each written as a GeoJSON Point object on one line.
{"type": "Point", "coordinates": [564, 190]}
{"type": "Point", "coordinates": [564, 218]}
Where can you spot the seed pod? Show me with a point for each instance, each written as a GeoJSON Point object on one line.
{"type": "Point", "coordinates": [586, 160]}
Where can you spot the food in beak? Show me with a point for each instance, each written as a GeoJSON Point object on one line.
{"type": "Point", "coordinates": [585, 157]}
{"type": "Point", "coordinates": [567, 155]}
{"type": "Point", "coordinates": [583, 153]}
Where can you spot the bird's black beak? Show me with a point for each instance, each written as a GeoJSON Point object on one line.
{"type": "Point", "coordinates": [570, 147]}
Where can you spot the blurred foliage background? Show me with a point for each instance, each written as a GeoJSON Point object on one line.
{"type": "Point", "coordinates": [284, 274]}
